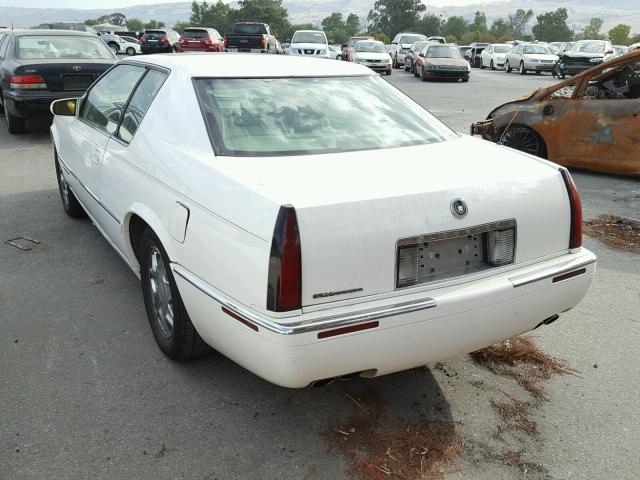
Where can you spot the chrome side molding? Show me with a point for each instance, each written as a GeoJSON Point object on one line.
{"type": "Point", "coordinates": [303, 326]}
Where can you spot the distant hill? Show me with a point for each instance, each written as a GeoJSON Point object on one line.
{"type": "Point", "coordinates": [313, 11]}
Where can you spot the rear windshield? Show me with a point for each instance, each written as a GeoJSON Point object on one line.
{"type": "Point", "coordinates": [62, 46]}
{"type": "Point", "coordinates": [297, 116]}
{"type": "Point", "coordinates": [155, 34]}
{"type": "Point", "coordinates": [195, 34]}
{"type": "Point", "coordinates": [353, 41]}
{"type": "Point", "coordinates": [419, 46]}
{"type": "Point", "coordinates": [249, 28]}
{"type": "Point", "coordinates": [309, 37]}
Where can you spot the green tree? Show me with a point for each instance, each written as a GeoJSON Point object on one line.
{"type": "Point", "coordinates": [487, 38]}
{"type": "Point", "coordinates": [518, 21]}
{"type": "Point", "coordinates": [352, 24]}
{"type": "Point", "coordinates": [499, 28]}
{"type": "Point", "coordinates": [619, 35]}
{"type": "Point", "coordinates": [451, 39]}
{"type": "Point", "coordinates": [430, 25]}
{"type": "Point", "coordinates": [552, 27]}
{"type": "Point", "coordinates": [91, 22]}
{"type": "Point", "coordinates": [504, 39]}
{"type": "Point", "coordinates": [592, 31]}
{"type": "Point", "coordinates": [268, 11]}
{"type": "Point", "coordinates": [180, 26]}
{"type": "Point", "coordinates": [154, 24]}
{"type": "Point", "coordinates": [135, 25]}
{"type": "Point", "coordinates": [113, 18]}
{"type": "Point", "coordinates": [394, 16]}
{"type": "Point", "coordinates": [469, 38]}
{"type": "Point", "coordinates": [383, 38]}
{"type": "Point", "coordinates": [456, 26]}
{"type": "Point", "coordinates": [479, 24]}
{"type": "Point", "coordinates": [217, 15]}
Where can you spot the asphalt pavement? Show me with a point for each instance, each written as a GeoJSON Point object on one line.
{"type": "Point", "coordinates": [85, 392]}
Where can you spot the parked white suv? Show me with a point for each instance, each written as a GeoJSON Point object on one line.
{"type": "Point", "coordinates": [403, 42]}
{"type": "Point", "coordinates": [310, 43]}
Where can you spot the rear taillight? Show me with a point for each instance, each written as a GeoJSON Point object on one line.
{"type": "Point", "coordinates": [284, 290]}
{"type": "Point", "coordinates": [575, 238]}
{"type": "Point", "coordinates": [28, 82]}
{"type": "Point", "coordinates": [165, 40]}
{"type": "Point", "coordinates": [208, 41]}
{"type": "Point", "coordinates": [264, 41]}
{"type": "Point", "coordinates": [226, 42]}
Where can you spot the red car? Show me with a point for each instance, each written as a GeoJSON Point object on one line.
{"type": "Point", "coordinates": [197, 39]}
{"type": "Point", "coordinates": [347, 48]}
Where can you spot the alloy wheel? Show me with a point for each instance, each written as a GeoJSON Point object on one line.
{"type": "Point", "coordinates": [523, 139]}
{"type": "Point", "coordinates": [160, 293]}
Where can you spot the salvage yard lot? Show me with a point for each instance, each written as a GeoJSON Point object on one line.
{"type": "Point", "coordinates": [85, 392]}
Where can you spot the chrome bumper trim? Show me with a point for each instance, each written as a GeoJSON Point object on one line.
{"type": "Point", "coordinates": [303, 326]}
{"type": "Point", "coordinates": [549, 272]}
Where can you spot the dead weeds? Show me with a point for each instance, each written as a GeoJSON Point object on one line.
{"type": "Point", "coordinates": [407, 451]}
{"type": "Point", "coordinates": [617, 232]}
{"type": "Point", "coordinates": [520, 359]}
{"type": "Point", "coordinates": [515, 416]}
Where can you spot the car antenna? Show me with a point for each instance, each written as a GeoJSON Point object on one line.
{"type": "Point", "coordinates": [505, 130]}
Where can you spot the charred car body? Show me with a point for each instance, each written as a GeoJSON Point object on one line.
{"type": "Point", "coordinates": [590, 121]}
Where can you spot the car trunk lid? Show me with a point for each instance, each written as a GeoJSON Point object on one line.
{"type": "Point", "coordinates": [64, 75]}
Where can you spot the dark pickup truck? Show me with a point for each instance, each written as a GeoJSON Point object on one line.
{"type": "Point", "coordinates": [250, 37]}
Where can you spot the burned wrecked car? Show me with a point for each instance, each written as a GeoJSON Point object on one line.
{"type": "Point", "coordinates": [582, 56]}
{"type": "Point", "coordinates": [589, 121]}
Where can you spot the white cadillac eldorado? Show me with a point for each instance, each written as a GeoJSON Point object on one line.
{"type": "Point", "coordinates": [309, 235]}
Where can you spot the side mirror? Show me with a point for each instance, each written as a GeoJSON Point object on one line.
{"type": "Point", "coordinates": [610, 52]}
{"type": "Point", "coordinates": [66, 107]}
{"type": "Point", "coordinates": [421, 54]}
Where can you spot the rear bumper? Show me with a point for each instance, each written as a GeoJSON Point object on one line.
{"type": "Point", "coordinates": [402, 332]}
{"type": "Point", "coordinates": [159, 49]}
{"type": "Point", "coordinates": [32, 104]}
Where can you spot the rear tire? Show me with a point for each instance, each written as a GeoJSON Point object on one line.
{"type": "Point", "coordinates": [14, 124]}
{"type": "Point", "coordinates": [131, 51]}
{"type": "Point", "coordinates": [114, 48]}
{"type": "Point", "coordinates": [170, 323]}
{"type": "Point", "coordinates": [69, 201]}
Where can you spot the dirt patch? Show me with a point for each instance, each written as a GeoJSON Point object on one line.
{"type": "Point", "coordinates": [407, 450]}
{"type": "Point", "coordinates": [617, 232]}
{"type": "Point", "coordinates": [519, 358]}
{"type": "Point", "coordinates": [516, 459]}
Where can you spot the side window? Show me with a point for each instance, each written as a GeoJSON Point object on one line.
{"type": "Point", "coordinates": [4, 42]}
{"type": "Point", "coordinates": [140, 103]}
{"type": "Point", "coordinates": [103, 105]}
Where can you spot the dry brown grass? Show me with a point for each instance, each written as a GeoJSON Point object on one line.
{"type": "Point", "coordinates": [405, 451]}
{"type": "Point", "coordinates": [519, 358]}
{"type": "Point", "coordinates": [617, 232]}
{"type": "Point", "coordinates": [515, 416]}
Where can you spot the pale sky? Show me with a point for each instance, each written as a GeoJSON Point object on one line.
{"type": "Point", "coordinates": [94, 4]}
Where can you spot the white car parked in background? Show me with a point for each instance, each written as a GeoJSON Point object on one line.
{"type": "Point", "coordinates": [335, 52]}
{"type": "Point", "coordinates": [530, 57]}
{"type": "Point", "coordinates": [372, 54]}
{"type": "Point", "coordinates": [309, 43]}
{"type": "Point", "coordinates": [131, 46]}
{"type": "Point", "coordinates": [402, 43]}
{"type": "Point", "coordinates": [493, 56]}
{"type": "Point", "coordinates": [306, 237]}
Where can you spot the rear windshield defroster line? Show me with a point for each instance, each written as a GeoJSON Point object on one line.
{"type": "Point", "coordinates": [251, 117]}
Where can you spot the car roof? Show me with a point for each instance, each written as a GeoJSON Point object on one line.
{"type": "Point", "coordinates": [251, 65]}
{"type": "Point", "coordinates": [50, 32]}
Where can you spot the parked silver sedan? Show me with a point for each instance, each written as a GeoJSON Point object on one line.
{"type": "Point", "coordinates": [530, 57]}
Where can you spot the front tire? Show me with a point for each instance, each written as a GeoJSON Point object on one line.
{"type": "Point", "coordinates": [170, 323]}
{"type": "Point", "coordinates": [507, 67]}
{"type": "Point", "coordinates": [492, 66]}
{"type": "Point", "coordinates": [522, 70]}
{"type": "Point", "coordinates": [69, 201]}
{"type": "Point", "coordinates": [388, 72]}
{"type": "Point", "coordinates": [114, 48]}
